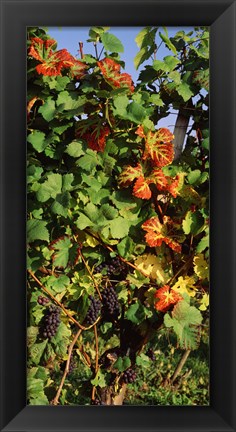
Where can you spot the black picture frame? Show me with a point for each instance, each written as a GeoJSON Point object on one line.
{"type": "Point", "coordinates": [16, 15]}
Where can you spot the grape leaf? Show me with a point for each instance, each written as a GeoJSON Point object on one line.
{"type": "Point", "coordinates": [75, 149]}
{"type": "Point", "coordinates": [119, 227]}
{"type": "Point", "coordinates": [38, 141]}
{"type": "Point", "coordinates": [185, 321]}
{"type": "Point", "coordinates": [48, 109]}
{"type": "Point", "coordinates": [112, 43]}
{"type": "Point", "coordinates": [36, 230]}
{"type": "Point", "coordinates": [122, 363]}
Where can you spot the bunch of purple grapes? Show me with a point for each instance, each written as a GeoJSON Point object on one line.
{"type": "Point", "coordinates": [43, 300]}
{"type": "Point", "coordinates": [129, 376]}
{"type": "Point", "coordinates": [93, 310]}
{"type": "Point", "coordinates": [51, 322]}
{"type": "Point", "coordinates": [111, 306]}
{"type": "Point", "coordinates": [72, 365]}
{"type": "Point", "coordinates": [115, 267]}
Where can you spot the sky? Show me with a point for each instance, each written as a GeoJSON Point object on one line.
{"type": "Point", "coordinates": [69, 38]}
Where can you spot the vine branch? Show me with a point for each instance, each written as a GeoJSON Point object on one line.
{"type": "Point", "coordinates": [55, 400]}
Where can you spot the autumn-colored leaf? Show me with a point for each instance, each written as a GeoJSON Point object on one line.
{"type": "Point", "coordinates": [176, 184]}
{"type": "Point", "coordinates": [111, 72]}
{"type": "Point", "coordinates": [95, 136]}
{"type": "Point", "coordinates": [157, 233]}
{"type": "Point", "coordinates": [166, 298]}
{"type": "Point", "coordinates": [141, 188]}
{"type": "Point", "coordinates": [159, 147]}
{"type": "Point", "coordinates": [129, 174]}
{"type": "Point", "coordinates": [159, 179]}
{"type": "Point", "coordinates": [51, 63]}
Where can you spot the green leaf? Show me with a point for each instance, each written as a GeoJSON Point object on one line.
{"type": "Point", "coordinates": [184, 91]}
{"type": "Point", "coordinates": [61, 254]}
{"type": "Point", "coordinates": [62, 334]}
{"type": "Point", "coordinates": [175, 76]}
{"type": "Point", "coordinates": [50, 188]}
{"type": "Point", "coordinates": [108, 211]}
{"type": "Point", "coordinates": [38, 141]}
{"type": "Point", "coordinates": [34, 173]}
{"type": "Point", "coordinates": [65, 101]}
{"type": "Point", "coordinates": [67, 181]}
{"type": "Point", "coordinates": [185, 321]}
{"type": "Point", "coordinates": [36, 351]}
{"type": "Point", "coordinates": [88, 161]}
{"type": "Point", "coordinates": [36, 230]}
{"type": "Point", "coordinates": [83, 222]}
{"type": "Point", "coordinates": [203, 244]}
{"type": "Point", "coordinates": [61, 204]}
{"type": "Point", "coordinates": [120, 104]}
{"type": "Point", "coordinates": [193, 223]}
{"type": "Point", "coordinates": [32, 333]}
{"type": "Point", "coordinates": [159, 65]}
{"type": "Point", "coordinates": [143, 361]}
{"type": "Point", "coordinates": [122, 363]}
{"type": "Point", "coordinates": [194, 176]}
{"type": "Point", "coordinates": [156, 99]}
{"type": "Point", "coordinates": [205, 143]}
{"type": "Point", "coordinates": [111, 43]}
{"type": "Point", "coordinates": [140, 38]}
{"type": "Point", "coordinates": [59, 83]}
{"type": "Point", "coordinates": [75, 149]}
{"type": "Point", "coordinates": [35, 392]}
{"type": "Point", "coordinates": [136, 113]}
{"type": "Point", "coordinates": [171, 61]}
{"type": "Point", "coordinates": [58, 284]}
{"type": "Point", "coordinates": [99, 380]}
{"type": "Point", "coordinates": [48, 109]}
{"type": "Point", "coordinates": [126, 248]}
{"type": "Point", "coordinates": [143, 55]}
{"type": "Point", "coordinates": [119, 228]}
{"type": "Point", "coordinates": [136, 313]}
{"type": "Point", "coordinates": [168, 42]}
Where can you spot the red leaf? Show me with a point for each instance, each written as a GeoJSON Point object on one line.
{"type": "Point", "coordinates": [141, 188]}
{"type": "Point", "coordinates": [166, 298]}
{"type": "Point", "coordinates": [95, 136]}
{"type": "Point", "coordinates": [111, 72]}
{"type": "Point", "coordinates": [156, 233]}
{"type": "Point", "coordinates": [129, 174]}
{"type": "Point", "coordinates": [158, 146]}
{"type": "Point", "coordinates": [176, 184]}
{"type": "Point", "coordinates": [159, 179]}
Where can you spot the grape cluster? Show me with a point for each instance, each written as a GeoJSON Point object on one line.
{"type": "Point", "coordinates": [43, 300]}
{"type": "Point", "coordinates": [129, 376]}
{"type": "Point", "coordinates": [115, 267]}
{"type": "Point", "coordinates": [50, 322]}
{"type": "Point", "coordinates": [151, 354]}
{"type": "Point", "coordinates": [111, 306]}
{"type": "Point", "coordinates": [93, 310]}
{"type": "Point", "coordinates": [72, 365]}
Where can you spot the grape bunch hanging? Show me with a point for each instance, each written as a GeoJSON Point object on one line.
{"type": "Point", "coordinates": [129, 376]}
{"type": "Point", "coordinates": [115, 268]}
{"type": "Point", "coordinates": [111, 306]}
{"type": "Point", "coordinates": [51, 322]}
{"type": "Point", "coordinates": [93, 310]}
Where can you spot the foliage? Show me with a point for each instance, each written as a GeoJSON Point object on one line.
{"type": "Point", "coordinates": [115, 221]}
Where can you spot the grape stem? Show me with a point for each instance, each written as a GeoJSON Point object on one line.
{"type": "Point", "coordinates": [61, 305]}
{"type": "Point", "coordinates": [70, 349]}
{"type": "Point", "coordinates": [96, 359]}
